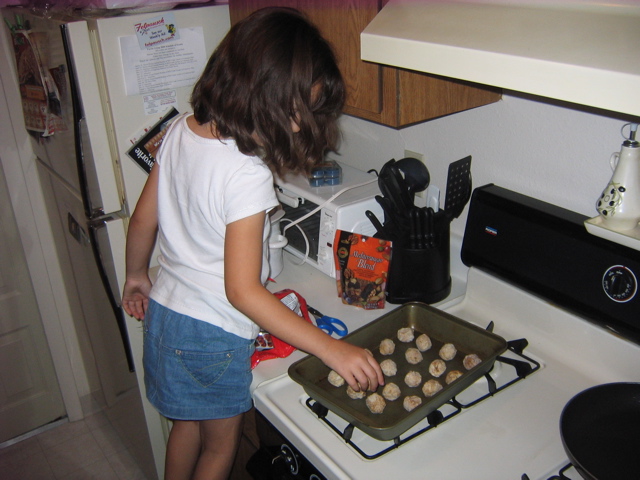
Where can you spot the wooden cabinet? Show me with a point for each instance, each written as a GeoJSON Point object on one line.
{"type": "Point", "coordinates": [386, 95]}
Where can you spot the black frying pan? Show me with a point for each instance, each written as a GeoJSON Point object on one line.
{"type": "Point", "coordinates": [600, 429]}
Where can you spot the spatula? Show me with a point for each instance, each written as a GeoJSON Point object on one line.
{"type": "Point", "coordinates": [458, 187]}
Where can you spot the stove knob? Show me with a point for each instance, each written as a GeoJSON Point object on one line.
{"type": "Point", "coordinates": [290, 458]}
{"type": "Point", "coordinates": [619, 283]}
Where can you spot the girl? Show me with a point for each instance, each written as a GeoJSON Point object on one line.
{"type": "Point", "coordinates": [267, 102]}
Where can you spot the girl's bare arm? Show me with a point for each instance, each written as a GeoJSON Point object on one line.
{"type": "Point", "coordinates": [243, 263]}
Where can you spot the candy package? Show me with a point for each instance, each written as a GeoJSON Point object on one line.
{"type": "Point", "coordinates": [362, 264]}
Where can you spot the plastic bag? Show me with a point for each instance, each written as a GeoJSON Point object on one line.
{"type": "Point", "coordinates": [362, 265]}
{"type": "Point", "coordinates": [277, 348]}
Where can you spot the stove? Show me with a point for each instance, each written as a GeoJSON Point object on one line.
{"type": "Point", "coordinates": [537, 279]}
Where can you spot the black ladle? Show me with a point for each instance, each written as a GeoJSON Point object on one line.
{"type": "Point", "coordinates": [416, 175]}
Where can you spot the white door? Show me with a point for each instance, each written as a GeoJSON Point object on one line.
{"type": "Point", "coordinates": [29, 392]}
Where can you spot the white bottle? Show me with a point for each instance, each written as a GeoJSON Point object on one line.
{"type": "Point", "coordinates": [619, 204]}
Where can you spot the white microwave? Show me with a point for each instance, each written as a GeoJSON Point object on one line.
{"type": "Point", "coordinates": [311, 240]}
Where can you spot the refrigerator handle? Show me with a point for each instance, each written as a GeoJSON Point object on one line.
{"type": "Point", "coordinates": [94, 227]}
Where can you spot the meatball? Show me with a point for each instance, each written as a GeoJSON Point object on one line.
{"type": "Point", "coordinates": [431, 387]}
{"type": "Point", "coordinates": [405, 334]}
{"type": "Point", "coordinates": [335, 379]}
{"type": "Point", "coordinates": [355, 395]}
{"type": "Point", "coordinates": [452, 376]}
{"type": "Point", "coordinates": [471, 361]}
{"type": "Point", "coordinates": [423, 342]}
{"type": "Point", "coordinates": [413, 355]}
{"type": "Point", "coordinates": [411, 402]}
{"type": "Point", "coordinates": [376, 403]}
{"type": "Point", "coordinates": [413, 379]}
{"type": "Point", "coordinates": [391, 392]}
{"type": "Point", "coordinates": [387, 347]}
{"type": "Point", "coordinates": [448, 351]}
{"type": "Point", "coordinates": [389, 367]}
{"type": "Point", "coordinates": [437, 367]}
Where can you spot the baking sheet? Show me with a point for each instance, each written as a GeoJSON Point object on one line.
{"type": "Point", "coordinates": [442, 328]}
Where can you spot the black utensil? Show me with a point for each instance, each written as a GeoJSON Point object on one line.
{"type": "Point", "coordinates": [393, 186]}
{"type": "Point", "coordinates": [430, 240]}
{"type": "Point", "coordinates": [380, 230]}
{"type": "Point", "coordinates": [416, 175]}
{"type": "Point", "coordinates": [422, 230]}
{"type": "Point", "coordinates": [393, 224]}
{"type": "Point", "coordinates": [387, 208]}
{"type": "Point", "coordinates": [458, 187]}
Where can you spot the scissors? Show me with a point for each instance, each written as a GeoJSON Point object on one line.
{"type": "Point", "coordinates": [328, 325]}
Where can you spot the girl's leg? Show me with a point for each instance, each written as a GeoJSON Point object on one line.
{"type": "Point", "coordinates": [183, 449]}
{"type": "Point", "coordinates": [220, 440]}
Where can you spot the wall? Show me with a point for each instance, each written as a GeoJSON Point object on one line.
{"type": "Point", "coordinates": [558, 153]}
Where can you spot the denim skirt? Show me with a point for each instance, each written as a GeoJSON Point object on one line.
{"type": "Point", "coordinates": [194, 370]}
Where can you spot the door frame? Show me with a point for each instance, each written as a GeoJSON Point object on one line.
{"type": "Point", "coordinates": [29, 209]}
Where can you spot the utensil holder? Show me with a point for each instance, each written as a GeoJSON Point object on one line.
{"type": "Point", "coordinates": [421, 275]}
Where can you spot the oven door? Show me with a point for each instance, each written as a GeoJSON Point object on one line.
{"type": "Point", "coordinates": [277, 459]}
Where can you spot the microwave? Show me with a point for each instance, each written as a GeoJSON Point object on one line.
{"type": "Point", "coordinates": [342, 207]}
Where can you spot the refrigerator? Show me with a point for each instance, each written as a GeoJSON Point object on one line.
{"type": "Point", "coordinates": [98, 89]}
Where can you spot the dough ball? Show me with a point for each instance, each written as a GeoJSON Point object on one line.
{"type": "Point", "coordinates": [389, 367]}
{"type": "Point", "coordinates": [452, 376]}
{"type": "Point", "coordinates": [376, 403]}
{"type": "Point", "coordinates": [471, 361]}
{"type": "Point", "coordinates": [423, 342]}
{"type": "Point", "coordinates": [437, 367]}
{"type": "Point", "coordinates": [391, 392]}
{"type": "Point", "coordinates": [448, 351]}
{"type": "Point", "coordinates": [387, 347]}
{"type": "Point", "coordinates": [335, 379]}
{"type": "Point", "coordinates": [405, 334]}
{"type": "Point", "coordinates": [355, 395]}
{"type": "Point", "coordinates": [431, 387]}
{"type": "Point", "coordinates": [413, 379]}
{"type": "Point", "coordinates": [413, 355]}
{"type": "Point", "coordinates": [411, 402]}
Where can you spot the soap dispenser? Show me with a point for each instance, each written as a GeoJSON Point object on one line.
{"type": "Point", "coordinates": [619, 204]}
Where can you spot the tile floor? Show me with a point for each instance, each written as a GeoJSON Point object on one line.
{"type": "Point", "coordinates": [87, 449]}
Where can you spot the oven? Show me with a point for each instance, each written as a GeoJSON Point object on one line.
{"type": "Point", "coordinates": [568, 305]}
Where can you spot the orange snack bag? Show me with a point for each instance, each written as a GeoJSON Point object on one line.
{"type": "Point", "coordinates": [362, 264]}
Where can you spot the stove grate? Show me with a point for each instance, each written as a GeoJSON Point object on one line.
{"type": "Point", "coordinates": [522, 365]}
{"type": "Point", "coordinates": [560, 476]}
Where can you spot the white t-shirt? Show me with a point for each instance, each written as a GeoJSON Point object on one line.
{"type": "Point", "coordinates": [204, 185]}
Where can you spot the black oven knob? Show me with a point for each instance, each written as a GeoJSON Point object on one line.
{"type": "Point", "coordinates": [289, 457]}
{"type": "Point", "coordinates": [619, 283]}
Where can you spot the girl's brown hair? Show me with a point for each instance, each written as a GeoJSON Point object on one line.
{"type": "Point", "coordinates": [273, 68]}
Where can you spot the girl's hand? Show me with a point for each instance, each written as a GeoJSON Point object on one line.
{"type": "Point", "coordinates": [356, 365]}
{"type": "Point", "coordinates": [135, 297]}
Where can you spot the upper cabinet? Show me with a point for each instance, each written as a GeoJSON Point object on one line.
{"type": "Point", "coordinates": [386, 95]}
{"type": "Point", "coordinates": [583, 52]}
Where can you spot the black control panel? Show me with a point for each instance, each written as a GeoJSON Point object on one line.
{"type": "Point", "coordinates": [547, 250]}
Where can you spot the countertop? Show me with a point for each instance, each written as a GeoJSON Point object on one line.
{"type": "Point", "coordinates": [319, 291]}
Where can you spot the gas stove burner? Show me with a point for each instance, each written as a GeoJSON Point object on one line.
{"type": "Point", "coordinates": [509, 368]}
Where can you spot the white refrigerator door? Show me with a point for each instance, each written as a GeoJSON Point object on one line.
{"type": "Point", "coordinates": [74, 92]}
{"type": "Point", "coordinates": [159, 72]}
